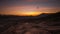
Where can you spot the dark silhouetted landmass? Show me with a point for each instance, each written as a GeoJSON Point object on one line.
{"type": "Point", "coordinates": [41, 24]}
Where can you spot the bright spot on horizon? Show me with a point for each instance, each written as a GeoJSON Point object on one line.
{"type": "Point", "coordinates": [30, 13]}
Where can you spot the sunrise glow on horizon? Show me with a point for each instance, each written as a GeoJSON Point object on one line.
{"type": "Point", "coordinates": [28, 7]}
{"type": "Point", "coordinates": [26, 10]}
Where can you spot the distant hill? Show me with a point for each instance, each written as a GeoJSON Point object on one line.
{"type": "Point", "coordinates": [54, 16]}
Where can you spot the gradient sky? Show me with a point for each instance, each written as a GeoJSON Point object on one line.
{"type": "Point", "coordinates": [18, 7]}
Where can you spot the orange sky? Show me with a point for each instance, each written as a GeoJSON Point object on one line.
{"type": "Point", "coordinates": [27, 10]}
{"type": "Point", "coordinates": [29, 7]}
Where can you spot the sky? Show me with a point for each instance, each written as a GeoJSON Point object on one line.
{"type": "Point", "coordinates": [29, 7]}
